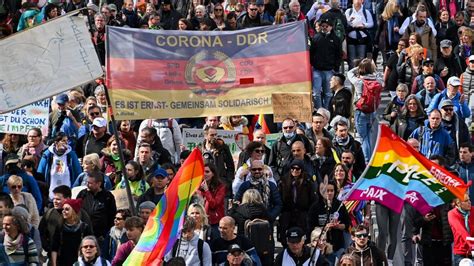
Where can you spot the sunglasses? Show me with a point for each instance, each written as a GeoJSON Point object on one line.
{"type": "Point", "coordinates": [88, 246]}
{"type": "Point", "coordinates": [448, 109]}
{"type": "Point", "coordinates": [259, 151]}
{"type": "Point", "coordinates": [288, 127]}
{"type": "Point", "coordinates": [94, 113]}
{"type": "Point", "coordinates": [256, 169]}
{"type": "Point", "coordinates": [361, 235]}
{"type": "Point", "coordinates": [15, 187]}
{"type": "Point", "coordinates": [295, 168]}
{"type": "Point", "coordinates": [218, 9]}
{"type": "Point", "coordinates": [118, 218]}
{"type": "Point", "coordinates": [253, 9]}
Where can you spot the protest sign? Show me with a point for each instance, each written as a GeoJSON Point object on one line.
{"type": "Point", "coordinates": [23, 119]}
{"type": "Point", "coordinates": [45, 60]}
{"type": "Point", "coordinates": [293, 105]}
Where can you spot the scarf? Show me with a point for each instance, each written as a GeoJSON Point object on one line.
{"type": "Point", "coordinates": [397, 101]}
{"type": "Point", "coordinates": [89, 263]}
{"type": "Point", "coordinates": [262, 185]}
{"type": "Point", "coordinates": [11, 245]}
{"type": "Point", "coordinates": [465, 214]}
{"type": "Point", "coordinates": [391, 23]}
{"type": "Point", "coordinates": [341, 141]}
{"type": "Point", "coordinates": [116, 161]}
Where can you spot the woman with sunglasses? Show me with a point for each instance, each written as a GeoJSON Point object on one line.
{"type": "Point", "coordinates": [298, 192]}
{"type": "Point", "coordinates": [219, 16]}
{"type": "Point", "coordinates": [89, 253]}
{"type": "Point", "coordinates": [116, 236]}
{"type": "Point", "coordinates": [15, 185]}
{"type": "Point", "coordinates": [257, 152]}
{"type": "Point", "coordinates": [67, 238]}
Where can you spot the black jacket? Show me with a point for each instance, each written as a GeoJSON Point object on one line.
{"type": "Point", "coordinates": [101, 208]}
{"type": "Point", "coordinates": [356, 148]}
{"type": "Point", "coordinates": [326, 52]}
{"type": "Point", "coordinates": [453, 63]}
{"type": "Point", "coordinates": [169, 19]}
{"type": "Point", "coordinates": [341, 104]}
{"type": "Point", "coordinates": [248, 211]}
{"type": "Point", "coordinates": [426, 227]}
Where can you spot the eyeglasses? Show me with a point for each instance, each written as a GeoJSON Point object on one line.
{"type": "Point", "coordinates": [288, 127]}
{"type": "Point", "coordinates": [429, 65]}
{"type": "Point", "coordinates": [256, 169]}
{"type": "Point", "coordinates": [361, 235]}
{"type": "Point", "coordinates": [295, 168]}
{"type": "Point", "coordinates": [218, 9]}
{"type": "Point", "coordinates": [118, 218]}
{"type": "Point", "coordinates": [33, 137]}
{"type": "Point", "coordinates": [448, 109]}
{"type": "Point", "coordinates": [253, 9]}
{"type": "Point", "coordinates": [88, 246]}
{"type": "Point", "coordinates": [259, 151]}
{"type": "Point", "coordinates": [94, 113]}
{"type": "Point", "coordinates": [16, 187]}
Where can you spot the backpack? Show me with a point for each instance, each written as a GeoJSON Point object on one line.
{"type": "Point", "coordinates": [260, 233]}
{"type": "Point", "coordinates": [370, 99]}
{"type": "Point", "coordinates": [200, 248]}
{"type": "Point", "coordinates": [339, 29]}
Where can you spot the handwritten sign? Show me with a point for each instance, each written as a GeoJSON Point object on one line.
{"type": "Point", "coordinates": [21, 120]}
{"type": "Point", "coordinates": [294, 105]}
{"type": "Point", "coordinates": [121, 199]}
{"type": "Point", "coordinates": [46, 60]}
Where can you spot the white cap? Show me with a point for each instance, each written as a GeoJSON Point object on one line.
{"type": "Point", "coordinates": [454, 81]}
{"type": "Point", "coordinates": [99, 122]}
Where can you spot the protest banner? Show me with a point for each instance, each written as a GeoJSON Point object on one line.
{"type": "Point", "coordinates": [23, 119]}
{"type": "Point", "coordinates": [193, 137]}
{"type": "Point", "coordinates": [121, 198]}
{"type": "Point", "coordinates": [170, 74]}
{"type": "Point", "coordinates": [45, 60]}
{"type": "Point", "coordinates": [282, 103]}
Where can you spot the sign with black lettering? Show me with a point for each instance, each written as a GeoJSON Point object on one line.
{"type": "Point", "coordinates": [21, 120]}
{"type": "Point", "coordinates": [163, 74]}
{"type": "Point", "coordinates": [292, 105]}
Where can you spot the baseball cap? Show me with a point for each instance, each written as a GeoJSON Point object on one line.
{"type": "Point", "coordinates": [445, 43]}
{"type": "Point", "coordinates": [445, 103]}
{"type": "Point", "coordinates": [294, 235]}
{"type": "Point", "coordinates": [62, 99]}
{"type": "Point", "coordinates": [99, 122]}
{"type": "Point", "coordinates": [234, 247]}
{"type": "Point", "coordinates": [325, 20]}
{"type": "Point", "coordinates": [160, 172]}
{"type": "Point", "coordinates": [12, 158]}
{"type": "Point", "coordinates": [113, 7]}
{"type": "Point", "coordinates": [428, 61]}
{"type": "Point", "coordinates": [259, 3]}
{"type": "Point", "coordinates": [454, 81]}
{"type": "Point", "coordinates": [471, 58]}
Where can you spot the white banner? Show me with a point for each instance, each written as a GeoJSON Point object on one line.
{"type": "Point", "coordinates": [23, 119]}
{"type": "Point", "coordinates": [43, 61]}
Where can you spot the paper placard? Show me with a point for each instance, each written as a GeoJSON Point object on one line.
{"type": "Point", "coordinates": [293, 105]}
{"type": "Point", "coordinates": [121, 199]}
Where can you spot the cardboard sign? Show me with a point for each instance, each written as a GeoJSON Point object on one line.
{"type": "Point", "coordinates": [294, 105]}
{"type": "Point", "coordinates": [121, 199]}
{"type": "Point", "coordinates": [21, 120]}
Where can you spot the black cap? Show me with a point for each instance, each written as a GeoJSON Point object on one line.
{"type": "Point", "coordinates": [325, 20]}
{"type": "Point", "coordinates": [428, 61]}
{"type": "Point", "coordinates": [12, 158]}
{"type": "Point", "coordinates": [166, 2]}
{"type": "Point", "coordinates": [294, 235]}
{"type": "Point", "coordinates": [234, 247]}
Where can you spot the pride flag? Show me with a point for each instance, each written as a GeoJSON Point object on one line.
{"type": "Point", "coordinates": [398, 173]}
{"type": "Point", "coordinates": [261, 124]}
{"type": "Point", "coordinates": [165, 222]}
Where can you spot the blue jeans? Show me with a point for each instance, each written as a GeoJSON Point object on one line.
{"type": "Point", "coordinates": [457, 259]}
{"type": "Point", "coordinates": [355, 52]}
{"type": "Point", "coordinates": [321, 88]}
{"type": "Point", "coordinates": [365, 124]}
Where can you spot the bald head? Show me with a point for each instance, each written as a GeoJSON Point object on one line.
{"type": "Point", "coordinates": [414, 143]}
{"type": "Point", "coordinates": [298, 150]}
{"type": "Point", "coordinates": [259, 136]}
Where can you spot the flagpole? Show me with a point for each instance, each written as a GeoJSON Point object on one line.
{"type": "Point", "coordinates": [187, 205]}
{"type": "Point", "coordinates": [121, 157]}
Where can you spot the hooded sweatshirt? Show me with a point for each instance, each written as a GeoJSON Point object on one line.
{"type": "Point", "coordinates": [189, 251]}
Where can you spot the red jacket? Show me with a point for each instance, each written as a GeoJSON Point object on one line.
{"type": "Point", "coordinates": [456, 220]}
{"type": "Point", "coordinates": [214, 203]}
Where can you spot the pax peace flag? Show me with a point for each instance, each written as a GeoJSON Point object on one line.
{"type": "Point", "coordinates": [397, 173]}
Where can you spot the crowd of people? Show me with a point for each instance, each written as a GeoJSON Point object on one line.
{"type": "Point", "coordinates": [294, 185]}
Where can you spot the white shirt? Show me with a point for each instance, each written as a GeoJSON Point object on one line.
{"type": "Point", "coordinates": [356, 18]}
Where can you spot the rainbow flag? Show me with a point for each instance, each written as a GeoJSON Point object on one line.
{"type": "Point", "coordinates": [261, 124]}
{"type": "Point", "coordinates": [398, 173]}
{"type": "Point", "coordinates": [165, 222]}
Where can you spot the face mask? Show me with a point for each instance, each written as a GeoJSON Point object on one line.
{"type": "Point", "coordinates": [289, 135]}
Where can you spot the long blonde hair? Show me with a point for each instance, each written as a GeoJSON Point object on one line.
{"type": "Point", "coordinates": [390, 10]}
